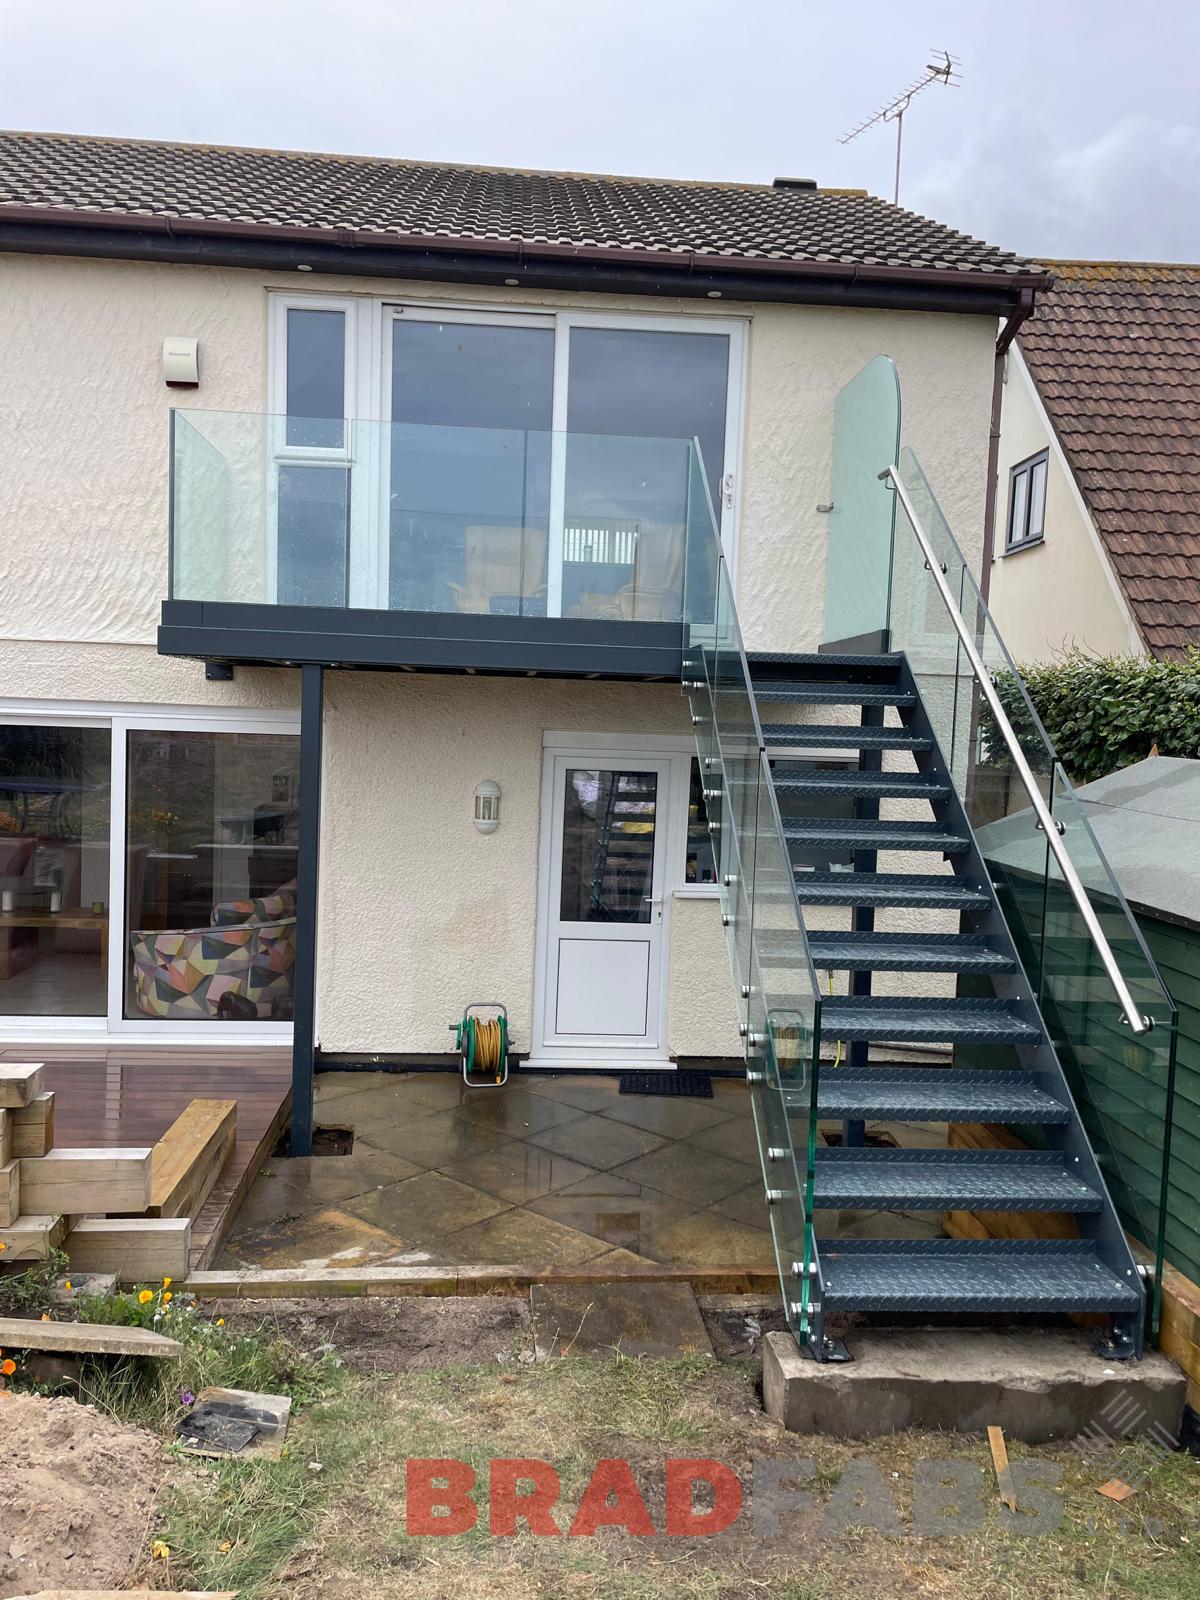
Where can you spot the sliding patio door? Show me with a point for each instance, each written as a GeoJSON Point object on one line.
{"type": "Point", "coordinates": [147, 875]}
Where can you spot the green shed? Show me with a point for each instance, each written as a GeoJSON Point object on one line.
{"type": "Point", "coordinates": [1146, 819]}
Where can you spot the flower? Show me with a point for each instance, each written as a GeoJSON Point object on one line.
{"type": "Point", "coordinates": [167, 1282]}
{"type": "Point", "coordinates": [145, 1297]}
{"type": "Point", "coordinates": [45, 1316]}
{"type": "Point", "coordinates": [8, 1366]}
{"type": "Point", "coordinates": [167, 1296]}
{"type": "Point", "coordinates": [187, 1397]}
{"type": "Point", "coordinates": [160, 1551]}
{"type": "Point", "coordinates": [220, 1322]}
{"type": "Point", "coordinates": [67, 1285]}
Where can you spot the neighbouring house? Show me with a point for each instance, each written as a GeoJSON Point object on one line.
{"type": "Point", "coordinates": [433, 585]}
{"type": "Point", "coordinates": [1097, 523]}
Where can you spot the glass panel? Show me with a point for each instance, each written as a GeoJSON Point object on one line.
{"type": "Point", "coordinates": [211, 841]}
{"type": "Point", "coordinates": [428, 517]}
{"type": "Point", "coordinates": [1122, 1081]}
{"type": "Point", "coordinates": [54, 855]}
{"type": "Point", "coordinates": [469, 499]}
{"type": "Point", "coordinates": [608, 846]}
{"type": "Point", "coordinates": [314, 536]}
{"type": "Point", "coordinates": [778, 998]}
{"type": "Point", "coordinates": [700, 864]}
{"type": "Point", "coordinates": [866, 438]}
{"type": "Point", "coordinates": [316, 378]}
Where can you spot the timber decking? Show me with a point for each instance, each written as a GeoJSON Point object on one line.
{"type": "Point", "coordinates": [131, 1096]}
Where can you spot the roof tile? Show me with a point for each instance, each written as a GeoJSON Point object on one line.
{"type": "Point", "coordinates": [1114, 348]}
{"type": "Point", "coordinates": [403, 199]}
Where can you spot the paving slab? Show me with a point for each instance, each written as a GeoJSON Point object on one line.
{"type": "Point", "coordinates": [1038, 1385]}
{"type": "Point", "coordinates": [634, 1319]}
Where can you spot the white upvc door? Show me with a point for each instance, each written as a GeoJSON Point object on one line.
{"type": "Point", "coordinates": [600, 993]}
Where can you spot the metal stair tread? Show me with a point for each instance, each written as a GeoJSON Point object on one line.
{"type": "Point", "coordinates": [933, 1094]}
{"type": "Point", "coordinates": [931, 1020]}
{"type": "Point", "coordinates": [1050, 1276]}
{"type": "Point", "coordinates": [904, 952]}
{"type": "Point", "coordinates": [801, 692]}
{"type": "Point", "coordinates": [872, 835]}
{"type": "Point", "coordinates": [819, 658]}
{"type": "Point", "coordinates": [825, 735]}
{"type": "Point", "coordinates": [887, 889]}
{"type": "Point", "coordinates": [950, 1180]}
{"type": "Point", "coordinates": [870, 785]}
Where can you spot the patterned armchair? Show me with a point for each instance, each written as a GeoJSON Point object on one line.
{"type": "Point", "coordinates": [239, 966]}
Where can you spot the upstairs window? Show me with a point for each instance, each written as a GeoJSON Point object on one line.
{"type": "Point", "coordinates": [1027, 502]}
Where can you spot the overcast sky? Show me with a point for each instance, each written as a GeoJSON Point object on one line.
{"type": "Point", "coordinates": [1076, 131]}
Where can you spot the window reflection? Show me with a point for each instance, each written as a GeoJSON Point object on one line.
{"type": "Point", "coordinates": [608, 846]}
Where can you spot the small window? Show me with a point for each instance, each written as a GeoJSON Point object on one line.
{"type": "Point", "coordinates": [316, 377]}
{"type": "Point", "coordinates": [1027, 503]}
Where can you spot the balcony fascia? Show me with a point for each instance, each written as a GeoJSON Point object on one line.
{"type": "Point", "coordinates": [419, 641]}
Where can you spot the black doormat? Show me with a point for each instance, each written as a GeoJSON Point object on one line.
{"type": "Point", "coordinates": [694, 1085]}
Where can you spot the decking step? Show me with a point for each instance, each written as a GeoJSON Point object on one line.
{"type": "Point", "coordinates": [915, 890]}
{"type": "Point", "coordinates": [834, 833]}
{"type": "Point", "coordinates": [1050, 1276]}
{"type": "Point", "coordinates": [765, 659]}
{"type": "Point", "coordinates": [950, 1180]}
{"type": "Point", "coordinates": [800, 691]}
{"type": "Point", "coordinates": [902, 952]}
{"type": "Point", "coordinates": [784, 736]}
{"type": "Point", "coordinates": [802, 781]}
{"type": "Point", "coordinates": [881, 1019]}
{"type": "Point", "coordinates": [934, 1094]}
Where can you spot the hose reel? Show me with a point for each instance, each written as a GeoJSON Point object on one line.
{"type": "Point", "coordinates": [481, 1038]}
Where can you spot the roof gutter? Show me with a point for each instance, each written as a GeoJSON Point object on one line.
{"type": "Point", "coordinates": [1023, 311]}
{"type": "Point", "coordinates": [362, 251]}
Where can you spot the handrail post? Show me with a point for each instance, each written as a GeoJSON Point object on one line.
{"type": "Point", "coordinates": [1138, 1023]}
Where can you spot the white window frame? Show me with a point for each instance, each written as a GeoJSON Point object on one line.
{"type": "Point", "coordinates": [113, 1028]}
{"type": "Point", "coordinates": [368, 399]}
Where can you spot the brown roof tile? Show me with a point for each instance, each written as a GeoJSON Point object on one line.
{"type": "Point", "coordinates": [405, 200]}
{"type": "Point", "coordinates": [1114, 348]}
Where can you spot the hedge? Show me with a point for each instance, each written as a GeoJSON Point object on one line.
{"type": "Point", "coordinates": [1104, 713]}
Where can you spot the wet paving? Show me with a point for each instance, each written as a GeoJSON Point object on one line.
{"type": "Point", "coordinates": [547, 1170]}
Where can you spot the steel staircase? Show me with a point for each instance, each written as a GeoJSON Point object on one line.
{"type": "Point", "coordinates": [1022, 1086]}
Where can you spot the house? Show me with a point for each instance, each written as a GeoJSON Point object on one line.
{"type": "Point", "coordinates": [436, 586]}
{"type": "Point", "coordinates": [1097, 533]}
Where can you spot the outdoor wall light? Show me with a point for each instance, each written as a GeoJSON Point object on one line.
{"type": "Point", "coordinates": [487, 805]}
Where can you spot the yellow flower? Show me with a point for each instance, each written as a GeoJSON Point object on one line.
{"type": "Point", "coordinates": [3, 1246]}
{"type": "Point", "coordinates": [167, 1282]}
{"type": "Point", "coordinates": [67, 1286]}
{"type": "Point", "coordinates": [45, 1316]}
{"type": "Point", "coordinates": [220, 1322]}
{"type": "Point", "coordinates": [145, 1297]}
{"type": "Point", "coordinates": [167, 1296]}
{"type": "Point", "coordinates": [160, 1551]}
{"type": "Point", "coordinates": [225, 1546]}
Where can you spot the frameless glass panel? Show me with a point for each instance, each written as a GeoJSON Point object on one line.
{"type": "Point", "coordinates": [211, 840]}
{"type": "Point", "coordinates": [608, 826]}
{"type": "Point", "coordinates": [632, 395]}
{"type": "Point", "coordinates": [314, 536]}
{"type": "Point", "coordinates": [316, 378]}
{"type": "Point", "coordinates": [469, 497]}
{"type": "Point", "coordinates": [54, 855]}
{"type": "Point", "coordinates": [866, 437]}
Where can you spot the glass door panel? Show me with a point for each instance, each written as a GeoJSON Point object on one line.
{"type": "Point", "coordinates": [469, 494]}
{"type": "Point", "coordinates": [210, 875]}
{"type": "Point", "coordinates": [55, 791]}
{"type": "Point", "coordinates": [633, 396]}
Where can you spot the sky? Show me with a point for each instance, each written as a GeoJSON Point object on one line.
{"type": "Point", "coordinates": [1075, 131]}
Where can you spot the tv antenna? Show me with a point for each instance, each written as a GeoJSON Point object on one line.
{"type": "Point", "coordinates": [945, 71]}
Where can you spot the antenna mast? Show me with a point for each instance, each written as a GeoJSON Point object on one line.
{"type": "Point", "coordinates": [945, 71]}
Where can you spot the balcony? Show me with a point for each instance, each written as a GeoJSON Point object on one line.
{"type": "Point", "coordinates": [334, 542]}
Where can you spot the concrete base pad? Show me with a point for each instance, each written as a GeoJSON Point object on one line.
{"type": "Point", "coordinates": [1036, 1385]}
{"type": "Point", "coordinates": [636, 1319]}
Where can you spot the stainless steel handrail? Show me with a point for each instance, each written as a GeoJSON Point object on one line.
{"type": "Point", "coordinates": [1138, 1023]}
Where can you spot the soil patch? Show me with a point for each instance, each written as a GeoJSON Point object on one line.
{"type": "Point", "coordinates": [79, 1493]}
{"type": "Point", "coordinates": [381, 1334]}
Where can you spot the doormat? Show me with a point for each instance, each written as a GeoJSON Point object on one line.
{"type": "Point", "coordinates": [693, 1085]}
